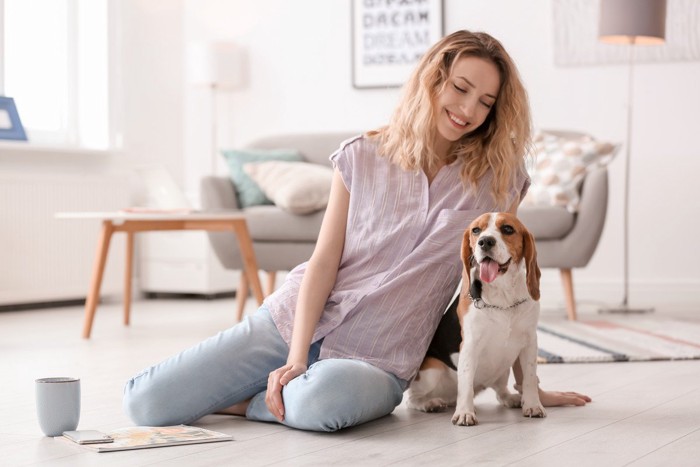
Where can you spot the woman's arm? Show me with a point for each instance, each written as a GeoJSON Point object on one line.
{"type": "Point", "coordinates": [316, 285]}
{"type": "Point", "coordinates": [321, 272]}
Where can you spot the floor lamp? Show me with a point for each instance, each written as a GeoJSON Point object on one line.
{"type": "Point", "coordinates": [220, 67]}
{"type": "Point", "coordinates": [631, 22]}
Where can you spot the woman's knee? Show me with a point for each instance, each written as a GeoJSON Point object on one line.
{"type": "Point", "coordinates": [145, 405]}
{"type": "Point", "coordinates": [336, 394]}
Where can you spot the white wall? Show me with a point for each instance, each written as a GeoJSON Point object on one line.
{"type": "Point", "coordinates": [150, 65]}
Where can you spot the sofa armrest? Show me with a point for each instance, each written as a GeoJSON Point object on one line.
{"type": "Point", "coordinates": [216, 193]}
{"type": "Point", "coordinates": [577, 247]}
{"type": "Point", "coordinates": [591, 216]}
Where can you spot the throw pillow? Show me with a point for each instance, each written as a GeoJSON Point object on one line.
{"type": "Point", "coordinates": [297, 187]}
{"type": "Point", "coordinates": [562, 160]}
{"type": "Point", "coordinates": [248, 192]}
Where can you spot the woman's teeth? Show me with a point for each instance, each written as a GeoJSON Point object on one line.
{"type": "Point", "coordinates": [456, 120]}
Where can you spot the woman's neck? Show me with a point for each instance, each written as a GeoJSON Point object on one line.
{"type": "Point", "coordinates": [443, 147]}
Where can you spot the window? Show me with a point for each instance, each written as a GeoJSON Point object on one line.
{"type": "Point", "coordinates": [54, 63]}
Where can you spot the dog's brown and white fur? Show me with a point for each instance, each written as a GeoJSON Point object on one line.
{"type": "Point", "coordinates": [498, 327]}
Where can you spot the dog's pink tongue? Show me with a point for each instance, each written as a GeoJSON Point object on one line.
{"type": "Point", "coordinates": [488, 270]}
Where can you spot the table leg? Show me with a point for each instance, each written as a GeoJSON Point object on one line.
{"type": "Point", "coordinates": [241, 296]}
{"type": "Point", "coordinates": [96, 281]}
{"type": "Point", "coordinates": [128, 267]}
{"type": "Point", "coordinates": [250, 264]}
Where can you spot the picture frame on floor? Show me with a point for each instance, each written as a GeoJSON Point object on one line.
{"type": "Point", "coordinates": [389, 38]}
{"type": "Point", "coordinates": [10, 124]}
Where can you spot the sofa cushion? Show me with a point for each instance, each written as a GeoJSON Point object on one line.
{"type": "Point", "coordinates": [247, 191]}
{"type": "Point", "coordinates": [562, 161]}
{"type": "Point", "coordinates": [270, 223]}
{"type": "Point", "coordinates": [547, 223]}
{"type": "Point", "coordinates": [296, 187]}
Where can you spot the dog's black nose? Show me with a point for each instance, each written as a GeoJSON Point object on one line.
{"type": "Point", "coordinates": [486, 243]}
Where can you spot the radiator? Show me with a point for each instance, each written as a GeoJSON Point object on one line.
{"type": "Point", "coordinates": [43, 259]}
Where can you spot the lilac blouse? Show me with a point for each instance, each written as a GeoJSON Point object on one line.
{"type": "Point", "coordinates": [401, 260]}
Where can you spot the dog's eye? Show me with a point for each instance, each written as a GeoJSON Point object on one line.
{"type": "Point", "coordinates": [507, 230]}
{"type": "Point", "coordinates": [476, 230]}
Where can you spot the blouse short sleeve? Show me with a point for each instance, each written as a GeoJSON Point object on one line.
{"type": "Point", "coordinates": [526, 182]}
{"type": "Point", "coordinates": [522, 185]}
{"type": "Point", "coordinates": [342, 159]}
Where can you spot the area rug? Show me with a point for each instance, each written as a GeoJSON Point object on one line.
{"type": "Point", "coordinates": [618, 340]}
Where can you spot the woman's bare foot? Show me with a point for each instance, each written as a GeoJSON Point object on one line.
{"type": "Point", "coordinates": [559, 398]}
{"type": "Point", "coordinates": [236, 409]}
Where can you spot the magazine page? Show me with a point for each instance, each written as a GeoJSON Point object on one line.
{"type": "Point", "coordinates": [143, 437]}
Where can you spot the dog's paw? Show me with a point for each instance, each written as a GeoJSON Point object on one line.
{"type": "Point", "coordinates": [536, 411]}
{"type": "Point", "coordinates": [432, 405]}
{"type": "Point", "coordinates": [436, 405]}
{"type": "Point", "coordinates": [464, 419]}
{"type": "Point", "coordinates": [512, 401]}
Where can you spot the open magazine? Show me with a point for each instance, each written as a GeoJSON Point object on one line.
{"type": "Point", "coordinates": [143, 437]}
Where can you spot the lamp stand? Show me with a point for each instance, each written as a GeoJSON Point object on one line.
{"type": "Point", "coordinates": [214, 130]}
{"type": "Point", "coordinates": [624, 306]}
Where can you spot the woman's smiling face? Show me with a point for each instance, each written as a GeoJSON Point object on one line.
{"type": "Point", "coordinates": [467, 97]}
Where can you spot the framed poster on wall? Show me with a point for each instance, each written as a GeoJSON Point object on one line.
{"type": "Point", "coordinates": [389, 37]}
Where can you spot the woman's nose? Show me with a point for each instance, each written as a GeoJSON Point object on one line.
{"type": "Point", "coordinates": [467, 107]}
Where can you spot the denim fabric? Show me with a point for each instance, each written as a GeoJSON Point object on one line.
{"type": "Point", "coordinates": [234, 365]}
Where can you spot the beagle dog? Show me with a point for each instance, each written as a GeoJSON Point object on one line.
{"type": "Point", "coordinates": [498, 310]}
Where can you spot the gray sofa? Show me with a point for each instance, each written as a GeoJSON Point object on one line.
{"type": "Point", "coordinates": [282, 240]}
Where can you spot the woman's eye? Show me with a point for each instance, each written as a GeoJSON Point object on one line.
{"type": "Point", "coordinates": [476, 230]}
{"type": "Point", "coordinates": [459, 89]}
{"type": "Point", "coordinates": [507, 230]}
{"type": "Point", "coordinates": [486, 104]}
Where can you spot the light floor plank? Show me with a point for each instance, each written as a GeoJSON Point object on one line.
{"type": "Point", "coordinates": [643, 414]}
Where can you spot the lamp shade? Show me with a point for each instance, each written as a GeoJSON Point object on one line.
{"type": "Point", "coordinates": [632, 21]}
{"type": "Point", "coordinates": [218, 64]}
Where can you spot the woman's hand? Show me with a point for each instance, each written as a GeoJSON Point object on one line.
{"type": "Point", "coordinates": [275, 382]}
{"type": "Point", "coordinates": [559, 398]}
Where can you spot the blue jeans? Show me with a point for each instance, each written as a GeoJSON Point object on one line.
{"type": "Point", "coordinates": [234, 365]}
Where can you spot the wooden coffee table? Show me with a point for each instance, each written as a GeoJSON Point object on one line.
{"type": "Point", "coordinates": [134, 222]}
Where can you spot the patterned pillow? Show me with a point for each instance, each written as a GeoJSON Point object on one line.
{"type": "Point", "coordinates": [562, 160]}
{"type": "Point", "coordinates": [248, 192]}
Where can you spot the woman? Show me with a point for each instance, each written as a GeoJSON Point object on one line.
{"type": "Point", "coordinates": [341, 339]}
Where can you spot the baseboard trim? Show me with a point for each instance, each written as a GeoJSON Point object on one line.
{"type": "Point", "coordinates": [43, 305]}
{"type": "Point", "coordinates": [658, 294]}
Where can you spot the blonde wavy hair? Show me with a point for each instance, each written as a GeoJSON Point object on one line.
{"type": "Point", "coordinates": [499, 144]}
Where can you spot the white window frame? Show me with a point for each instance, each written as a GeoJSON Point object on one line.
{"type": "Point", "coordinates": [69, 136]}
{"type": "Point", "coordinates": [2, 47]}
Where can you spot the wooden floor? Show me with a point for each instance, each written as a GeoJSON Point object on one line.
{"type": "Point", "coordinates": [643, 414]}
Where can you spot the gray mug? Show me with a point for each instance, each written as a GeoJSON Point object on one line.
{"type": "Point", "coordinates": [58, 404]}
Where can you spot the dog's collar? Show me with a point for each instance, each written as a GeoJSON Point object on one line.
{"type": "Point", "coordinates": [480, 304]}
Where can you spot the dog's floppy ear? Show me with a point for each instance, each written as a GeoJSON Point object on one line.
{"type": "Point", "coordinates": [467, 255]}
{"type": "Point", "coordinates": [533, 270]}
{"type": "Point", "coordinates": [464, 302]}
